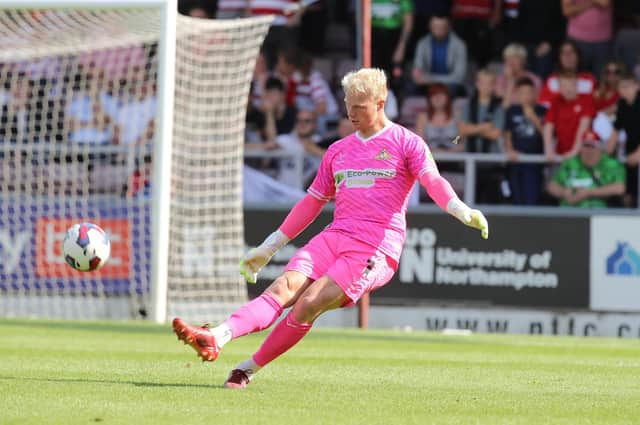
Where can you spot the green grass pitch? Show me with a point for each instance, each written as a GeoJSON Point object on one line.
{"type": "Point", "coordinates": [56, 372]}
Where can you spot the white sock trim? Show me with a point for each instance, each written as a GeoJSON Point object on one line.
{"type": "Point", "coordinates": [249, 367]}
{"type": "Point", "coordinates": [222, 334]}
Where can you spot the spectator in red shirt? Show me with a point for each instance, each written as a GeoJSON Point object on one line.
{"type": "Point", "coordinates": [568, 61]}
{"type": "Point", "coordinates": [568, 117]}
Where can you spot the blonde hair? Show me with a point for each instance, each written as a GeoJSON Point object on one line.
{"type": "Point", "coordinates": [515, 50]}
{"type": "Point", "coordinates": [370, 82]}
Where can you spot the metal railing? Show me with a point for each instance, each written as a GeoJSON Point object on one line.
{"type": "Point", "coordinates": [469, 161]}
{"type": "Point", "coordinates": [296, 157]}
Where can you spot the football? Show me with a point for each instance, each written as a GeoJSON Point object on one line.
{"type": "Point", "coordinates": [86, 247]}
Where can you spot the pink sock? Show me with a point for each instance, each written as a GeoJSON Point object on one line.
{"type": "Point", "coordinates": [256, 315]}
{"type": "Point", "coordinates": [285, 335]}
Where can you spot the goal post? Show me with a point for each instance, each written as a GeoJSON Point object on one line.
{"type": "Point", "coordinates": [160, 210]}
{"type": "Point", "coordinates": [91, 76]}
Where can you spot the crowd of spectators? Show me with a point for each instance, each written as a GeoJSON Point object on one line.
{"type": "Point", "coordinates": [512, 77]}
{"type": "Point", "coordinates": [55, 113]}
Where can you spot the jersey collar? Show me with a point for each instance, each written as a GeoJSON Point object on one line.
{"type": "Point", "coordinates": [376, 134]}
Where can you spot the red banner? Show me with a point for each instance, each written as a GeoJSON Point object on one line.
{"type": "Point", "coordinates": [50, 260]}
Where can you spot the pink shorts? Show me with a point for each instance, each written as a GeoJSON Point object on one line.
{"type": "Point", "coordinates": [356, 267]}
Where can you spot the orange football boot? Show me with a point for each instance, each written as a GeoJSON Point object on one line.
{"type": "Point", "coordinates": [200, 338]}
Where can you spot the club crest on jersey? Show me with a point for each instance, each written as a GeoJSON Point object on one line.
{"type": "Point", "coordinates": [361, 178]}
{"type": "Point", "coordinates": [382, 155]}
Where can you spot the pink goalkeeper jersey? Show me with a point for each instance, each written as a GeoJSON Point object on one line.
{"type": "Point", "coordinates": [371, 180]}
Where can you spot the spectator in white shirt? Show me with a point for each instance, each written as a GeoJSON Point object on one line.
{"type": "Point", "coordinates": [86, 119]}
{"type": "Point", "coordinates": [133, 114]}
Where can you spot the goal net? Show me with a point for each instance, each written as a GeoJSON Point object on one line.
{"type": "Point", "coordinates": [79, 96]}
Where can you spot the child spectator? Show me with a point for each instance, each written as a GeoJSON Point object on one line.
{"type": "Point", "coordinates": [279, 117]}
{"type": "Point", "coordinates": [568, 117]}
{"type": "Point", "coordinates": [523, 134]}
{"type": "Point", "coordinates": [481, 125]}
{"type": "Point", "coordinates": [483, 117]}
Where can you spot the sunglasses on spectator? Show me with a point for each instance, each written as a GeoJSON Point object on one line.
{"type": "Point", "coordinates": [305, 120]}
{"type": "Point", "coordinates": [615, 71]}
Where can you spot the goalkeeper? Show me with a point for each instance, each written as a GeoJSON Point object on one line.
{"type": "Point", "coordinates": [369, 174]}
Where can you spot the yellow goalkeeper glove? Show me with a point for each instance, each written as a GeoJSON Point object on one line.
{"type": "Point", "coordinates": [475, 219]}
{"type": "Point", "coordinates": [254, 260]}
{"type": "Point", "coordinates": [470, 217]}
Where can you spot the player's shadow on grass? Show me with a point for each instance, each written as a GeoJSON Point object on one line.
{"type": "Point", "coordinates": [111, 381]}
